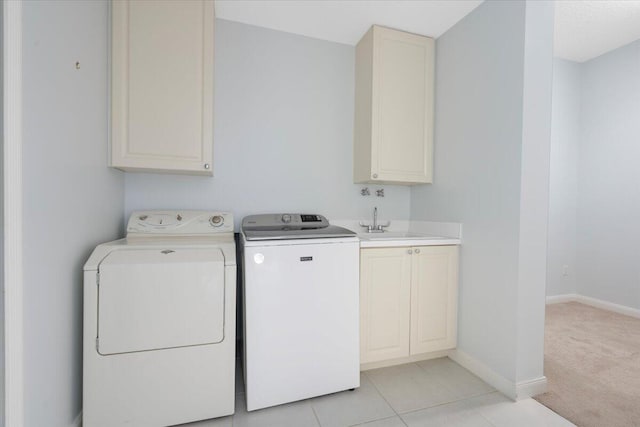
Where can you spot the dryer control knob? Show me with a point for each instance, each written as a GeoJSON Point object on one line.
{"type": "Point", "coordinates": [216, 220]}
{"type": "Point", "coordinates": [286, 218]}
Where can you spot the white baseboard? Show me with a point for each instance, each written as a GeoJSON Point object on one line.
{"type": "Point", "coordinates": [526, 389]}
{"type": "Point", "coordinates": [78, 421]}
{"type": "Point", "coordinates": [488, 375]}
{"type": "Point", "coordinates": [521, 390]}
{"type": "Point", "coordinates": [559, 299]}
{"type": "Point", "coordinates": [594, 302]}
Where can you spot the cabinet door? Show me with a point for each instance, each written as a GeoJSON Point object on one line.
{"type": "Point", "coordinates": [434, 298]}
{"type": "Point", "coordinates": [162, 86]}
{"type": "Point", "coordinates": [385, 290]}
{"type": "Point", "coordinates": [402, 131]}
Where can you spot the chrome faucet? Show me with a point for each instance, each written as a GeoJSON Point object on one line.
{"type": "Point", "coordinates": [375, 227]}
{"type": "Point", "coordinates": [375, 217]}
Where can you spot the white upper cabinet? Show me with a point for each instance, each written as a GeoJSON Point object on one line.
{"type": "Point", "coordinates": [162, 86]}
{"type": "Point", "coordinates": [393, 131]}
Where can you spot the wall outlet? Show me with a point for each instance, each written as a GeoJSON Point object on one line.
{"type": "Point", "coordinates": [565, 270]}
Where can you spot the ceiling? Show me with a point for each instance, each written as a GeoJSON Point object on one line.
{"type": "Point", "coordinates": [586, 29]}
{"type": "Point", "coordinates": [346, 21]}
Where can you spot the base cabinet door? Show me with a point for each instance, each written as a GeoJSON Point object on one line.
{"type": "Point", "coordinates": [434, 296]}
{"type": "Point", "coordinates": [385, 288]}
{"type": "Point", "coordinates": [408, 302]}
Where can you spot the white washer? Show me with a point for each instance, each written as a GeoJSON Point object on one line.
{"type": "Point", "coordinates": [159, 322]}
{"type": "Point", "coordinates": [301, 308]}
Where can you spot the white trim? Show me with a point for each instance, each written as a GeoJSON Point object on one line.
{"type": "Point", "coordinates": [488, 375]}
{"type": "Point", "coordinates": [559, 299]}
{"type": "Point", "coordinates": [78, 421]}
{"type": "Point", "coordinates": [606, 305]}
{"type": "Point", "coordinates": [13, 322]}
{"type": "Point", "coordinates": [594, 302]}
{"type": "Point", "coordinates": [521, 390]}
{"type": "Point", "coordinates": [530, 388]}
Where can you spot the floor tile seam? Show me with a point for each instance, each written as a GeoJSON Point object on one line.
{"type": "Point", "coordinates": [484, 393]}
{"type": "Point", "coordinates": [448, 402]}
{"type": "Point", "coordinates": [400, 414]}
{"type": "Point", "coordinates": [436, 378]}
{"type": "Point", "coordinates": [550, 409]}
{"type": "Point", "coordinates": [463, 369]}
{"type": "Point", "coordinates": [381, 395]}
{"type": "Point", "coordinates": [379, 419]}
{"type": "Point", "coordinates": [485, 418]}
{"type": "Point", "coordinates": [362, 422]}
{"type": "Point", "coordinates": [315, 414]}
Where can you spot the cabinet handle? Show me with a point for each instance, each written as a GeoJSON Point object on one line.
{"type": "Point", "coordinates": [409, 251]}
{"type": "Point", "coordinates": [206, 165]}
{"type": "Point", "coordinates": [417, 251]}
{"type": "Point", "coordinates": [375, 175]}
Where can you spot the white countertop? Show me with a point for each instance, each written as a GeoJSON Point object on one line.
{"type": "Point", "coordinates": [391, 239]}
{"type": "Point", "coordinates": [407, 233]}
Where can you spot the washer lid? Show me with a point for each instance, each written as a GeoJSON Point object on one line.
{"type": "Point", "coordinates": [150, 299]}
{"type": "Point", "coordinates": [331, 231]}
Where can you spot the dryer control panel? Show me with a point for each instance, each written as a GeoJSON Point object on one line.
{"type": "Point", "coordinates": [179, 223]}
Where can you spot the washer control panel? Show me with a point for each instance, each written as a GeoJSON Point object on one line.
{"type": "Point", "coordinates": [285, 221]}
{"type": "Point", "coordinates": [179, 223]}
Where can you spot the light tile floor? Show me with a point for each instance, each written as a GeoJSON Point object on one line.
{"type": "Point", "coordinates": [438, 393]}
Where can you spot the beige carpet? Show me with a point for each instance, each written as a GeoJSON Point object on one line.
{"type": "Point", "coordinates": [592, 363]}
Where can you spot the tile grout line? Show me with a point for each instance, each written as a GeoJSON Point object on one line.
{"type": "Point", "coordinates": [440, 383]}
{"type": "Point", "coordinates": [315, 415]}
{"type": "Point", "coordinates": [445, 386]}
{"type": "Point", "coordinates": [383, 398]}
{"type": "Point", "coordinates": [447, 403]}
{"type": "Point", "coordinates": [376, 420]}
{"type": "Point", "coordinates": [399, 414]}
{"type": "Point", "coordinates": [485, 418]}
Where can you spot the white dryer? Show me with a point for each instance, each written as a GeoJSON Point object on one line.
{"type": "Point", "coordinates": [159, 322]}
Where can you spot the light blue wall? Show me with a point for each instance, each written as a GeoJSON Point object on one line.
{"type": "Point", "coordinates": [2, 346]}
{"type": "Point", "coordinates": [608, 203]}
{"type": "Point", "coordinates": [534, 192]}
{"type": "Point", "coordinates": [478, 137]}
{"type": "Point", "coordinates": [282, 137]}
{"type": "Point", "coordinates": [565, 138]}
{"type": "Point", "coordinates": [492, 131]}
{"type": "Point", "coordinates": [72, 201]}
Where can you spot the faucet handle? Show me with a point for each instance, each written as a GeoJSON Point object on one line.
{"type": "Point", "coordinates": [369, 227]}
{"type": "Point", "coordinates": [381, 227]}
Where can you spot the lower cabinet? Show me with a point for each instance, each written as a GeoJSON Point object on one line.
{"type": "Point", "coordinates": [408, 301]}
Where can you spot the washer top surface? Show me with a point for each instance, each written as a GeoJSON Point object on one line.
{"type": "Point", "coordinates": [173, 230]}
{"type": "Point", "coordinates": [291, 227]}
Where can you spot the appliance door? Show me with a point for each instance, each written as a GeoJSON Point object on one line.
{"type": "Point", "coordinates": [155, 299]}
{"type": "Point", "coordinates": [301, 321]}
